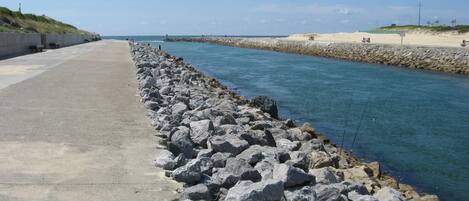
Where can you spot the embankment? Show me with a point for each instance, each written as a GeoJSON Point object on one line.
{"type": "Point", "coordinates": [13, 44]}
{"type": "Point", "coordinates": [224, 148]}
{"type": "Point", "coordinates": [444, 59]}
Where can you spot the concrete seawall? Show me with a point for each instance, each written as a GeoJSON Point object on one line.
{"type": "Point", "coordinates": [14, 44]}
{"type": "Point", "coordinates": [450, 60]}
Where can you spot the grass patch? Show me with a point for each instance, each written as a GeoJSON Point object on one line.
{"type": "Point", "coordinates": [12, 21]}
{"type": "Point", "coordinates": [439, 28]}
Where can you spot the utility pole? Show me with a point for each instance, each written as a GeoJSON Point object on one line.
{"type": "Point", "coordinates": [420, 11]}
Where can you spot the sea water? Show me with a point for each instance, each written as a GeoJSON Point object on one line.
{"type": "Point", "coordinates": [414, 122]}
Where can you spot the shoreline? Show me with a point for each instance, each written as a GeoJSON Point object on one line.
{"type": "Point", "coordinates": [167, 85]}
{"type": "Point", "coordinates": [443, 59]}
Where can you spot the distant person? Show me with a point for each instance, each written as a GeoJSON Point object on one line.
{"type": "Point", "coordinates": [159, 47]}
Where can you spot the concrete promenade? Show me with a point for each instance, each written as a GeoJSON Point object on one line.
{"type": "Point", "coordinates": [72, 128]}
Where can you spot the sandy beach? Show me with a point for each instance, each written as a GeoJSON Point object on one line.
{"type": "Point", "coordinates": [449, 39]}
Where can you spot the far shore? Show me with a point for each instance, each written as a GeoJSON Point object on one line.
{"type": "Point", "coordinates": [447, 39]}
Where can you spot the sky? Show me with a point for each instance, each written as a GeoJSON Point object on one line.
{"type": "Point", "coordinates": [240, 17]}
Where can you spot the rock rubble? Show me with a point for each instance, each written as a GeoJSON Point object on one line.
{"type": "Point", "coordinates": [445, 59]}
{"type": "Point", "coordinates": [223, 148]}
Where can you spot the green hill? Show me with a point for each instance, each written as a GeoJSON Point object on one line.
{"type": "Point", "coordinates": [438, 28]}
{"type": "Point", "coordinates": [12, 21]}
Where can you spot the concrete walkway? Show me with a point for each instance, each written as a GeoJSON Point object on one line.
{"type": "Point", "coordinates": [72, 128]}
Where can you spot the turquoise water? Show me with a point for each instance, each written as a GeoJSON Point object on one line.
{"type": "Point", "coordinates": [416, 123]}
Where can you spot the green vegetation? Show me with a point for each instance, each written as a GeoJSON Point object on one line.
{"type": "Point", "coordinates": [435, 28]}
{"type": "Point", "coordinates": [12, 21]}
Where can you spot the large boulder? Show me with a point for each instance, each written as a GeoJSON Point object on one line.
{"type": "Point", "coordinates": [266, 104]}
{"type": "Point", "coordinates": [288, 145]}
{"type": "Point", "coordinates": [249, 191]}
{"type": "Point", "coordinates": [324, 175]}
{"type": "Point", "coordinates": [197, 192]}
{"type": "Point", "coordinates": [151, 105]}
{"type": "Point", "coordinates": [258, 137]}
{"type": "Point", "coordinates": [219, 159]}
{"type": "Point", "coordinates": [181, 142]}
{"type": "Point", "coordinates": [320, 159]}
{"type": "Point", "coordinates": [252, 155]}
{"type": "Point", "coordinates": [189, 173]}
{"type": "Point", "coordinates": [291, 176]}
{"type": "Point", "coordinates": [165, 160]}
{"type": "Point", "coordinates": [236, 170]}
{"type": "Point", "coordinates": [228, 143]}
{"type": "Point", "coordinates": [266, 168]}
{"type": "Point", "coordinates": [200, 131]}
{"type": "Point", "coordinates": [299, 159]}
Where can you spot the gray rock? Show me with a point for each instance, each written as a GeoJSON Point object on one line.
{"type": "Point", "coordinates": [189, 173]}
{"type": "Point", "coordinates": [289, 123]}
{"type": "Point", "coordinates": [258, 137]}
{"type": "Point", "coordinates": [200, 131]}
{"type": "Point", "coordinates": [287, 144]}
{"type": "Point", "coordinates": [252, 155]}
{"type": "Point", "coordinates": [243, 120]}
{"type": "Point", "coordinates": [226, 106]}
{"type": "Point", "coordinates": [165, 160]}
{"type": "Point", "coordinates": [305, 193]}
{"type": "Point", "coordinates": [321, 159]}
{"type": "Point", "coordinates": [266, 168]}
{"type": "Point", "coordinates": [266, 104]}
{"type": "Point", "coordinates": [298, 135]}
{"type": "Point", "coordinates": [261, 125]}
{"type": "Point", "coordinates": [330, 192]}
{"type": "Point", "coordinates": [181, 160]}
{"type": "Point", "coordinates": [279, 133]}
{"type": "Point", "coordinates": [249, 191]}
{"type": "Point", "coordinates": [228, 143]}
{"type": "Point", "coordinates": [212, 185]}
{"type": "Point", "coordinates": [179, 108]}
{"type": "Point", "coordinates": [291, 176]}
{"type": "Point", "coordinates": [225, 119]}
{"type": "Point", "coordinates": [234, 171]}
{"type": "Point", "coordinates": [205, 153]}
{"type": "Point", "coordinates": [206, 165]}
{"type": "Point", "coordinates": [324, 175]}
{"type": "Point", "coordinates": [355, 196]}
{"type": "Point", "coordinates": [299, 159]}
{"type": "Point", "coordinates": [151, 105]}
{"type": "Point", "coordinates": [181, 142]}
{"type": "Point", "coordinates": [352, 186]}
{"type": "Point", "coordinates": [312, 145]}
{"type": "Point", "coordinates": [219, 159]}
{"type": "Point", "coordinates": [165, 90]}
{"type": "Point", "coordinates": [388, 194]}
{"type": "Point", "coordinates": [148, 82]}
{"type": "Point", "coordinates": [197, 192]}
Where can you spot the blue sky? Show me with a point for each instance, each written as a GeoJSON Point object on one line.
{"type": "Point", "coordinates": [250, 17]}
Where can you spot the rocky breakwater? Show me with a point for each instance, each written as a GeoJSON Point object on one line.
{"type": "Point", "coordinates": [445, 59]}
{"type": "Point", "coordinates": [223, 148]}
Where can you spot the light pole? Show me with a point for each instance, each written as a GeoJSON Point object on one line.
{"type": "Point", "coordinates": [420, 11]}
